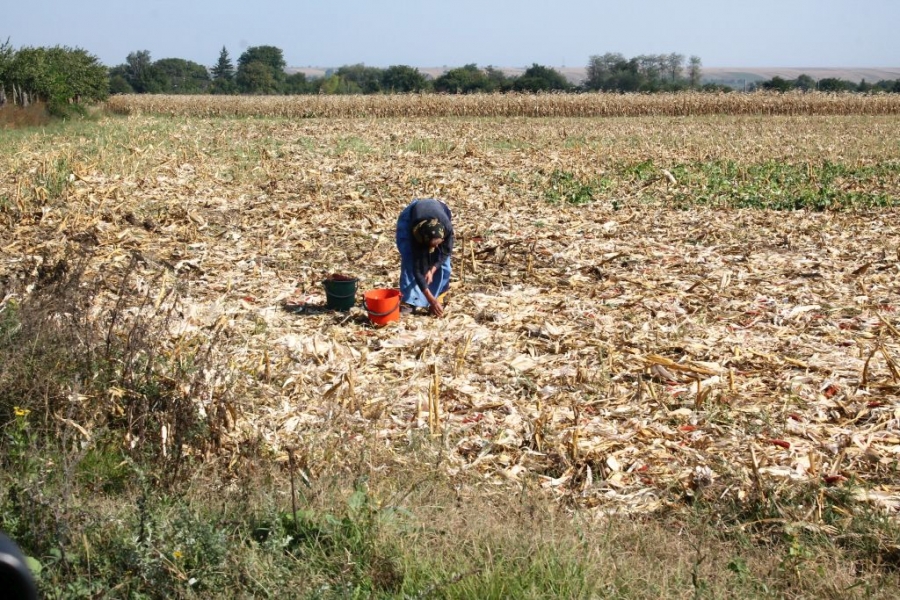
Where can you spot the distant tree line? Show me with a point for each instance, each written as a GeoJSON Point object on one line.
{"type": "Point", "coordinates": [261, 70]}
{"type": "Point", "coordinates": [805, 83]}
{"type": "Point", "coordinates": [64, 77]}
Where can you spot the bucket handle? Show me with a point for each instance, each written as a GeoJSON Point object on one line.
{"type": "Point", "coordinates": [384, 314]}
{"type": "Point", "coordinates": [328, 292]}
{"type": "Point", "coordinates": [339, 296]}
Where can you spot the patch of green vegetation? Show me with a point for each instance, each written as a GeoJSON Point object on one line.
{"type": "Point", "coordinates": [62, 109]}
{"type": "Point", "coordinates": [104, 468]}
{"type": "Point", "coordinates": [405, 534]}
{"type": "Point", "coordinates": [642, 171]}
{"type": "Point", "coordinates": [565, 186]}
{"type": "Point", "coordinates": [778, 185]}
{"type": "Point", "coordinates": [512, 177]}
{"type": "Point", "coordinates": [351, 144]}
{"type": "Point", "coordinates": [429, 146]}
{"type": "Point", "coordinates": [578, 141]}
{"type": "Point", "coordinates": [509, 144]}
{"type": "Point", "coordinates": [805, 523]}
{"type": "Point", "coordinates": [769, 185]}
{"type": "Point", "coordinates": [306, 142]}
{"type": "Point", "coordinates": [51, 181]}
{"type": "Point", "coordinates": [9, 320]}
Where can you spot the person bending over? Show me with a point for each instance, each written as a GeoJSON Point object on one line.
{"type": "Point", "coordinates": [425, 241]}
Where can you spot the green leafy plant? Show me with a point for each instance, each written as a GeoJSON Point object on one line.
{"type": "Point", "coordinates": [778, 185]}
{"type": "Point", "coordinates": [565, 186]}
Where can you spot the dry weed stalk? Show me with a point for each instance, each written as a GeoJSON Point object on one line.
{"type": "Point", "coordinates": [434, 402]}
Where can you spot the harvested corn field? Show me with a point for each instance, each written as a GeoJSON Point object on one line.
{"type": "Point", "coordinates": [631, 320]}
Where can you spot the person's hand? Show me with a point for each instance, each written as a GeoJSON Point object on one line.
{"type": "Point", "coordinates": [429, 276]}
{"type": "Point", "coordinates": [436, 308]}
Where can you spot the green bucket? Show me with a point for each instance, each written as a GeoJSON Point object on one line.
{"type": "Point", "coordinates": [340, 292]}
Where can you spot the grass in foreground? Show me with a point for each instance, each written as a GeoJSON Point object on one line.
{"type": "Point", "coordinates": [403, 533]}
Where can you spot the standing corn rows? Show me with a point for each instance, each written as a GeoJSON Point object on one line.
{"type": "Point", "coordinates": [510, 105]}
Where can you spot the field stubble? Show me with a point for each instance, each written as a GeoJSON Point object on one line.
{"type": "Point", "coordinates": [603, 344]}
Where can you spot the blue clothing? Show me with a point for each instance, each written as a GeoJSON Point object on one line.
{"type": "Point", "coordinates": [415, 259]}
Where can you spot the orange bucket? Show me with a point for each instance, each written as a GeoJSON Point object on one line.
{"type": "Point", "coordinates": [383, 306]}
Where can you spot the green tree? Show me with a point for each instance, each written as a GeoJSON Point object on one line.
{"type": "Point", "coordinates": [223, 75]}
{"type": "Point", "coordinates": [612, 72]}
{"type": "Point", "coordinates": [674, 66]}
{"type": "Point", "coordinates": [600, 69]}
{"type": "Point", "coordinates": [367, 79]}
{"type": "Point", "coordinates": [651, 68]}
{"type": "Point", "coordinates": [270, 56]}
{"type": "Point", "coordinates": [538, 78]}
{"type": "Point", "coordinates": [6, 57]}
{"type": "Point", "coordinates": [888, 85]}
{"type": "Point", "coordinates": [223, 86]}
{"type": "Point", "coordinates": [463, 80]}
{"type": "Point", "coordinates": [403, 79]}
{"type": "Point", "coordinates": [335, 84]}
{"type": "Point", "coordinates": [498, 81]}
{"type": "Point", "coordinates": [28, 76]}
{"type": "Point", "coordinates": [833, 84]}
{"type": "Point", "coordinates": [695, 71]}
{"type": "Point", "coordinates": [777, 84]}
{"type": "Point", "coordinates": [249, 77]}
{"type": "Point", "coordinates": [805, 83]}
{"type": "Point", "coordinates": [256, 78]}
{"type": "Point", "coordinates": [62, 77]}
{"type": "Point", "coordinates": [118, 81]}
{"type": "Point", "coordinates": [645, 73]}
{"type": "Point", "coordinates": [181, 76]}
{"type": "Point", "coordinates": [223, 69]}
{"type": "Point", "coordinates": [717, 88]}
{"type": "Point", "coordinates": [627, 77]}
{"type": "Point", "coordinates": [297, 83]}
{"type": "Point", "coordinates": [85, 78]}
{"type": "Point", "coordinates": [141, 74]}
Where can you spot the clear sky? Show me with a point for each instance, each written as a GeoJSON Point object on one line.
{"type": "Point", "coordinates": [435, 33]}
